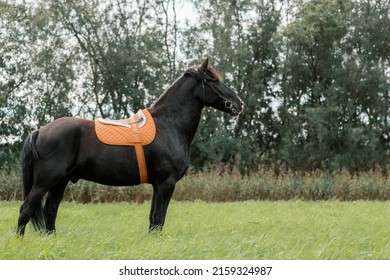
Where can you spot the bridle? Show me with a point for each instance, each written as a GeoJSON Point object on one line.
{"type": "Point", "coordinates": [203, 76]}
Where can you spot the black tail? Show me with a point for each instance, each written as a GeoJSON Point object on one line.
{"type": "Point", "coordinates": [29, 156]}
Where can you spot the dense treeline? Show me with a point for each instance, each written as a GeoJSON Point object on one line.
{"type": "Point", "coordinates": [315, 74]}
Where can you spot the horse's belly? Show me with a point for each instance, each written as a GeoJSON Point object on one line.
{"type": "Point", "coordinates": [113, 178]}
{"type": "Point", "coordinates": [112, 165]}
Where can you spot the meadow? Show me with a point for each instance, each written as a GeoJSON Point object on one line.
{"type": "Point", "coordinates": [199, 230]}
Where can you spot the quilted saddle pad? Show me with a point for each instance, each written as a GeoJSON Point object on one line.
{"type": "Point", "coordinates": [122, 132]}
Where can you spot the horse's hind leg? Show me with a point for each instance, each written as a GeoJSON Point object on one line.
{"type": "Point", "coordinates": [30, 207]}
{"type": "Point", "coordinates": [52, 203]}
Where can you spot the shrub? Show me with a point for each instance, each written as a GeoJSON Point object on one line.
{"type": "Point", "coordinates": [211, 187]}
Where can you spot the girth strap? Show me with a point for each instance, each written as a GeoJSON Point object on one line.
{"type": "Point", "coordinates": [139, 151]}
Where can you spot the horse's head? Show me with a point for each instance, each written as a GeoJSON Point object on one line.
{"type": "Point", "coordinates": [214, 92]}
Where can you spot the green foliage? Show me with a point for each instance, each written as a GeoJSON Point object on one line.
{"type": "Point", "coordinates": [245, 52]}
{"type": "Point", "coordinates": [250, 230]}
{"type": "Point", "coordinates": [313, 74]}
{"type": "Point", "coordinates": [332, 100]}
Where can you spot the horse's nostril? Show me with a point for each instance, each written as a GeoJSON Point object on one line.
{"type": "Point", "coordinates": [242, 103]}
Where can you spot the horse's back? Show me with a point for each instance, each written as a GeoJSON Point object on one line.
{"type": "Point", "coordinates": [65, 124]}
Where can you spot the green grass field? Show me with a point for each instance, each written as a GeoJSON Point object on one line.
{"type": "Point", "coordinates": [199, 230]}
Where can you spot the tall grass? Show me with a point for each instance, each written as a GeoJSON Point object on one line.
{"type": "Point", "coordinates": [202, 230]}
{"type": "Point", "coordinates": [228, 187]}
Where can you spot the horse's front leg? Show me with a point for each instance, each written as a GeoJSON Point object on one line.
{"type": "Point", "coordinates": [162, 194]}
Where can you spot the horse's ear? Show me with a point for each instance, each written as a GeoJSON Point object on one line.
{"type": "Point", "coordinates": [205, 64]}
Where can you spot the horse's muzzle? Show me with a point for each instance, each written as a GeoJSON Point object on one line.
{"type": "Point", "coordinates": [235, 108]}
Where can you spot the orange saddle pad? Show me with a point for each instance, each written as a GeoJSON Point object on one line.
{"type": "Point", "coordinates": [138, 129]}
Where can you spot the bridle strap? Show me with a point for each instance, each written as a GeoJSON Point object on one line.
{"type": "Point", "coordinates": [196, 75]}
{"type": "Point", "coordinates": [200, 75]}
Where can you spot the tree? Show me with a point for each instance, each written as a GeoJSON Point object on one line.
{"type": "Point", "coordinates": [83, 58]}
{"type": "Point", "coordinates": [33, 82]}
{"type": "Point", "coordinates": [333, 88]}
{"type": "Point", "coordinates": [367, 82]}
{"type": "Point", "coordinates": [122, 51]}
{"type": "Point", "coordinates": [309, 114]}
{"type": "Point", "coordinates": [240, 36]}
{"type": "Point", "coordinates": [314, 74]}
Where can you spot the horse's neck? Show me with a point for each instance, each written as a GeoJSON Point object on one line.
{"type": "Point", "coordinates": [178, 111]}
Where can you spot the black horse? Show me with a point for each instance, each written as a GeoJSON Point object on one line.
{"type": "Point", "coordinates": [67, 149]}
